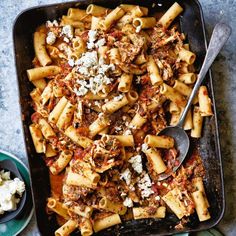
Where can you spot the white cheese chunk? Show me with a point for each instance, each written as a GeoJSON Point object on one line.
{"type": "Point", "coordinates": [144, 147]}
{"type": "Point", "coordinates": [68, 31]}
{"type": "Point", "coordinates": [92, 36]}
{"type": "Point", "coordinates": [127, 132]}
{"type": "Point", "coordinates": [51, 38]}
{"type": "Point", "coordinates": [53, 23]}
{"type": "Point", "coordinates": [88, 59]}
{"type": "Point", "coordinates": [128, 202]}
{"type": "Point", "coordinates": [71, 62]}
{"type": "Point", "coordinates": [136, 162]}
{"type": "Point", "coordinates": [145, 185]}
{"type": "Point", "coordinates": [126, 176]}
{"type": "Point", "coordinates": [100, 43]}
{"type": "Point", "coordinates": [118, 98]}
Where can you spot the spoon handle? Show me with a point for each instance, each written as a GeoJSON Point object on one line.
{"type": "Point", "coordinates": [219, 37]}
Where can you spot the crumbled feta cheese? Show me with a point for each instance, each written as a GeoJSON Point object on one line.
{"type": "Point", "coordinates": [101, 115]}
{"type": "Point", "coordinates": [107, 80]}
{"type": "Point", "coordinates": [88, 65]}
{"type": "Point", "coordinates": [90, 45]}
{"type": "Point", "coordinates": [158, 198]}
{"type": "Point", "coordinates": [136, 162]}
{"type": "Point", "coordinates": [131, 187]}
{"type": "Point", "coordinates": [126, 176]}
{"type": "Point", "coordinates": [138, 79]}
{"type": "Point", "coordinates": [55, 23]}
{"type": "Point", "coordinates": [111, 160]}
{"type": "Point", "coordinates": [123, 194]}
{"type": "Point", "coordinates": [51, 38]}
{"type": "Point", "coordinates": [132, 126]}
{"type": "Point", "coordinates": [81, 82]}
{"type": "Point", "coordinates": [68, 31]}
{"type": "Point", "coordinates": [83, 70]}
{"type": "Point", "coordinates": [71, 62]}
{"type": "Point", "coordinates": [81, 91]}
{"type": "Point", "coordinates": [145, 185]}
{"type": "Point", "coordinates": [118, 98]}
{"type": "Point", "coordinates": [128, 202]}
{"type": "Point", "coordinates": [52, 23]}
{"type": "Point", "coordinates": [100, 43]}
{"type": "Point", "coordinates": [144, 147]}
{"type": "Point", "coordinates": [65, 39]}
{"type": "Point", "coordinates": [97, 103]}
{"type": "Point", "coordinates": [127, 132]}
{"type": "Point", "coordinates": [88, 59]}
{"type": "Point", "coordinates": [92, 36]}
{"type": "Point", "coordinates": [117, 128]}
{"type": "Point", "coordinates": [8, 190]}
{"type": "Point", "coordinates": [138, 29]}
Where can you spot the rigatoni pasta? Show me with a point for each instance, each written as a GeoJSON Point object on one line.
{"type": "Point", "coordinates": [107, 82]}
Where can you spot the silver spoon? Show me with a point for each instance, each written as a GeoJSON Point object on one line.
{"type": "Point", "coordinates": [219, 37]}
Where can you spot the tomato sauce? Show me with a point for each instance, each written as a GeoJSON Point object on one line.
{"type": "Point", "coordinates": [56, 182]}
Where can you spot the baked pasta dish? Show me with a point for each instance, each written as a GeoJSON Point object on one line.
{"type": "Point", "coordinates": [107, 81]}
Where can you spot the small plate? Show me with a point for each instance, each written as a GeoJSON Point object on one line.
{"type": "Point", "coordinates": [15, 226]}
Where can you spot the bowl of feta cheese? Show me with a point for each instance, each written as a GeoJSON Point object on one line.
{"type": "Point", "coordinates": [12, 191]}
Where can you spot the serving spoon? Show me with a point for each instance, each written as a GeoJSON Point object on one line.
{"type": "Point", "coordinates": [219, 37]}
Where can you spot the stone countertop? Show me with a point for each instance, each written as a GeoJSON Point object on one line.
{"type": "Point", "coordinates": [224, 79]}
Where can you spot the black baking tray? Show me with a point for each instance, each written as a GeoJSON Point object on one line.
{"type": "Point", "coordinates": [192, 24]}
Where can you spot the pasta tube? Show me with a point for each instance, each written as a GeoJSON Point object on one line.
{"type": "Point", "coordinates": [37, 138]}
{"type": "Point", "coordinates": [42, 72]}
{"type": "Point", "coordinates": [64, 119]}
{"type": "Point", "coordinates": [58, 207]}
{"type": "Point", "coordinates": [204, 102]}
{"type": "Point", "coordinates": [57, 110]}
{"type": "Point", "coordinates": [159, 141]}
{"type": "Point", "coordinates": [116, 207]}
{"type": "Point", "coordinates": [115, 105]}
{"type": "Point", "coordinates": [144, 212]}
{"type": "Point", "coordinates": [197, 123]}
{"type": "Point", "coordinates": [170, 15]}
{"type": "Point", "coordinates": [155, 160]}
{"type": "Point", "coordinates": [75, 137]}
{"type": "Point", "coordinates": [61, 162]}
{"type": "Point", "coordinates": [97, 11]}
{"type": "Point", "coordinates": [125, 83]}
{"type": "Point", "coordinates": [46, 129]}
{"type": "Point", "coordinates": [201, 206]}
{"type": "Point", "coordinates": [40, 49]}
{"type": "Point", "coordinates": [173, 95]}
{"type": "Point", "coordinates": [98, 125]}
{"type": "Point", "coordinates": [67, 228]}
{"type": "Point", "coordinates": [106, 222]}
{"type": "Point", "coordinates": [153, 71]}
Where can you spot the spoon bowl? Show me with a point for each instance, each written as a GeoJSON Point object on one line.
{"type": "Point", "coordinates": [182, 144]}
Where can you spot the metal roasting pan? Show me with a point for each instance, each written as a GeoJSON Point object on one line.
{"type": "Point", "coordinates": [192, 24]}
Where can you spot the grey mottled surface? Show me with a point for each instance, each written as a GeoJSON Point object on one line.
{"type": "Point", "coordinates": [224, 74]}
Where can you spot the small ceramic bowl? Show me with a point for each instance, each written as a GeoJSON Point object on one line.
{"type": "Point", "coordinates": [8, 165]}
